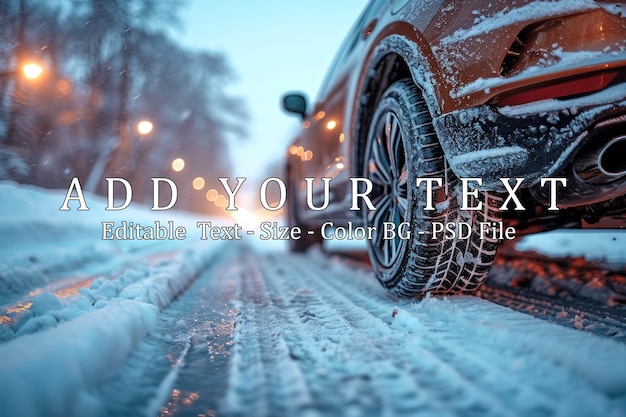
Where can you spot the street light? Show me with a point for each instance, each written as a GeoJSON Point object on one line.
{"type": "Point", "coordinates": [30, 71]}
{"type": "Point", "coordinates": [144, 127]}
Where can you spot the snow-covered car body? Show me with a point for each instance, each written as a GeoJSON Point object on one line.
{"type": "Point", "coordinates": [513, 89]}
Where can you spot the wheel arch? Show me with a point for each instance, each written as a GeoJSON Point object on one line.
{"type": "Point", "coordinates": [394, 58]}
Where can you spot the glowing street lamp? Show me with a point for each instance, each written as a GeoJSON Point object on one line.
{"type": "Point", "coordinates": [32, 70]}
{"type": "Point", "coordinates": [145, 127]}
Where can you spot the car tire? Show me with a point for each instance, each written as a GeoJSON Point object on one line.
{"type": "Point", "coordinates": [293, 219]}
{"type": "Point", "coordinates": [402, 146]}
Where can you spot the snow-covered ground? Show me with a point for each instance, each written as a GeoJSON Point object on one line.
{"type": "Point", "coordinates": [74, 305]}
{"type": "Point", "coordinates": [93, 327]}
{"type": "Point", "coordinates": [601, 245]}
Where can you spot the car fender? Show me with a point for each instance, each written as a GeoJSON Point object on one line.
{"type": "Point", "coordinates": [421, 67]}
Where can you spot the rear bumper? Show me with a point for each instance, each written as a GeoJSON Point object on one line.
{"type": "Point", "coordinates": [530, 141]}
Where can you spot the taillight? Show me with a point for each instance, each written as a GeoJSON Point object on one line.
{"type": "Point", "coordinates": [581, 85]}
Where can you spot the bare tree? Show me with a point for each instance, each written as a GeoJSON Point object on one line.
{"type": "Point", "coordinates": [109, 64]}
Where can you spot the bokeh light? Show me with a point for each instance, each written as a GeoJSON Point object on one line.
{"type": "Point", "coordinates": [178, 164]}
{"type": "Point", "coordinates": [220, 201]}
{"type": "Point", "coordinates": [198, 183]}
{"type": "Point", "coordinates": [32, 71]}
{"type": "Point", "coordinates": [144, 127]}
{"type": "Point", "coordinates": [211, 195]}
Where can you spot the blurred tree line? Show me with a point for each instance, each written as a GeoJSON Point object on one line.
{"type": "Point", "coordinates": [109, 64]}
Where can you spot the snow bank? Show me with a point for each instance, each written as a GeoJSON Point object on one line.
{"type": "Point", "coordinates": [62, 365]}
{"type": "Point", "coordinates": [161, 287]}
{"type": "Point", "coordinates": [60, 349]}
{"type": "Point", "coordinates": [40, 244]}
{"type": "Point", "coordinates": [31, 221]}
{"type": "Point", "coordinates": [57, 372]}
{"type": "Point", "coordinates": [607, 245]}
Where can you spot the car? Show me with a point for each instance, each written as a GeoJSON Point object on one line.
{"type": "Point", "coordinates": [445, 127]}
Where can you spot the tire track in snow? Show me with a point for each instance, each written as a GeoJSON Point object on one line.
{"type": "Point", "coordinates": [312, 335]}
{"type": "Point", "coordinates": [447, 346]}
{"type": "Point", "coordinates": [198, 325]}
{"type": "Point", "coordinates": [582, 315]}
{"type": "Point", "coordinates": [403, 380]}
{"type": "Point", "coordinates": [328, 330]}
{"type": "Point", "coordinates": [506, 322]}
{"type": "Point", "coordinates": [255, 386]}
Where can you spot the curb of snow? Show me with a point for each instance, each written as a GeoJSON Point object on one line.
{"type": "Point", "coordinates": [63, 367]}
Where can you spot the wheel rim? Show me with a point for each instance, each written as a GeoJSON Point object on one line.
{"type": "Point", "coordinates": [387, 169]}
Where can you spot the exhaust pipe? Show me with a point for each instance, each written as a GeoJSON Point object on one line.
{"type": "Point", "coordinates": [603, 164]}
{"type": "Point", "coordinates": [612, 158]}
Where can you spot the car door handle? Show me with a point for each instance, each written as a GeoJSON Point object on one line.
{"type": "Point", "coordinates": [369, 28]}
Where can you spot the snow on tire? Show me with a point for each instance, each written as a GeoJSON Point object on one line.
{"type": "Point", "coordinates": [402, 146]}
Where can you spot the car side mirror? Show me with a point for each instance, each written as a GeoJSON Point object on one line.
{"type": "Point", "coordinates": [295, 103]}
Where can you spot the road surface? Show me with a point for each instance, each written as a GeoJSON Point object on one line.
{"type": "Point", "coordinates": [238, 331]}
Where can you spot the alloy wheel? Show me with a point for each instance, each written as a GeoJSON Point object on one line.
{"type": "Point", "coordinates": [387, 169]}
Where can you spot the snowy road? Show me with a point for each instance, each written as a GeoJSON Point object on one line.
{"type": "Point", "coordinates": [236, 331]}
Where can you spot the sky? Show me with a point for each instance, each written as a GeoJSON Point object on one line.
{"type": "Point", "coordinates": [273, 46]}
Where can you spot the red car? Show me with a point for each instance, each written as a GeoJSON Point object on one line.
{"type": "Point", "coordinates": [443, 127]}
